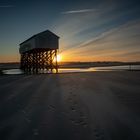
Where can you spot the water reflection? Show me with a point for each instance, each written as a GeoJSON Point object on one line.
{"type": "Point", "coordinates": [71, 70]}
{"type": "Point", "coordinates": [125, 67]}
{"type": "Point", "coordinates": [13, 71]}
{"type": "Point", "coordinates": [75, 70]}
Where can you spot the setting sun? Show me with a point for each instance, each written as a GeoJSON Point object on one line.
{"type": "Point", "coordinates": [59, 58]}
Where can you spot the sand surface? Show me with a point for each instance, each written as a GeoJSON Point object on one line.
{"type": "Point", "coordinates": [77, 106]}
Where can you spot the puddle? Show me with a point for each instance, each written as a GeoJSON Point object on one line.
{"type": "Point", "coordinates": [115, 68]}
{"type": "Point", "coordinates": [74, 70]}
{"type": "Point", "coordinates": [13, 71]}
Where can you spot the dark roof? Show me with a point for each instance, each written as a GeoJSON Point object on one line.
{"type": "Point", "coordinates": [39, 34]}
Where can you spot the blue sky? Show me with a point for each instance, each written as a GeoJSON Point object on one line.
{"type": "Point", "coordinates": [89, 30]}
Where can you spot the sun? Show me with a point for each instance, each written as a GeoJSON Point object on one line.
{"type": "Point", "coordinates": [59, 58]}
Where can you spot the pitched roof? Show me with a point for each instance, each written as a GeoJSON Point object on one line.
{"type": "Point", "coordinates": [47, 31]}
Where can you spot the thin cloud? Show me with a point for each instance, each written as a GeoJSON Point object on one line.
{"type": "Point", "coordinates": [6, 6]}
{"type": "Point", "coordinates": [79, 11]}
{"type": "Point", "coordinates": [120, 43]}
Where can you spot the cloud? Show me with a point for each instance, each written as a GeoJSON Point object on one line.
{"type": "Point", "coordinates": [121, 44]}
{"type": "Point", "coordinates": [79, 11]}
{"type": "Point", "coordinates": [6, 6]}
{"type": "Point", "coordinates": [101, 33]}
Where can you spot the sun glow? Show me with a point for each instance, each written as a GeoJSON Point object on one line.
{"type": "Point", "coordinates": [59, 58]}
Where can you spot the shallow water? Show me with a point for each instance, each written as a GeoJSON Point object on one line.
{"type": "Point", "coordinates": [125, 67]}
{"type": "Point", "coordinates": [74, 70]}
{"type": "Point", "coordinates": [13, 71]}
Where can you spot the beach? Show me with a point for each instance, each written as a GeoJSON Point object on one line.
{"type": "Point", "coordinates": [100, 105]}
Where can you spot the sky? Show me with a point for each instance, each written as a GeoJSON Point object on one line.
{"type": "Point", "coordinates": [89, 30]}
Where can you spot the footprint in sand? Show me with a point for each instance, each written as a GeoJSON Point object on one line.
{"type": "Point", "coordinates": [51, 108]}
{"type": "Point", "coordinates": [98, 134]}
{"type": "Point", "coordinates": [35, 132]}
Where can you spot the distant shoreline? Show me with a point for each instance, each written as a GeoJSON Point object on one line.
{"type": "Point", "coordinates": [4, 66]}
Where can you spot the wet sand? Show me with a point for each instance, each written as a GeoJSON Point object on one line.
{"type": "Point", "coordinates": [76, 106]}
